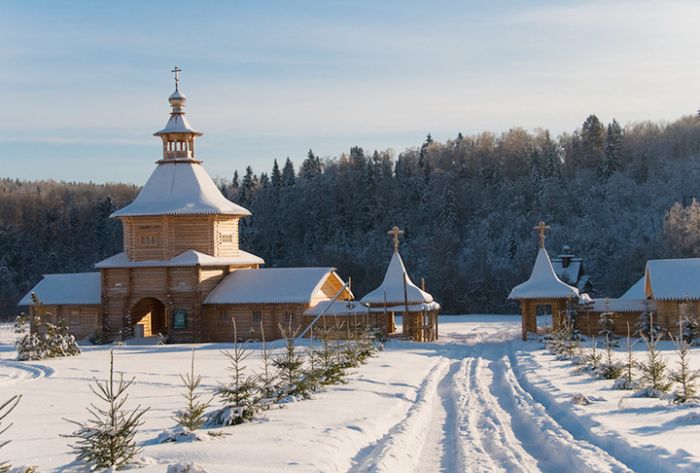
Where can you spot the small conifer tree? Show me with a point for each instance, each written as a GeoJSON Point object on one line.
{"type": "Point", "coordinates": [241, 395]}
{"type": "Point", "coordinates": [290, 366]}
{"type": "Point", "coordinates": [106, 440]}
{"type": "Point", "coordinates": [653, 370]}
{"type": "Point", "coordinates": [610, 369]}
{"type": "Point", "coordinates": [332, 370]}
{"type": "Point", "coordinates": [594, 357]}
{"type": "Point", "coordinates": [646, 325]}
{"type": "Point", "coordinates": [607, 328]}
{"type": "Point", "coordinates": [266, 378]}
{"type": "Point", "coordinates": [5, 409]}
{"type": "Point", "coordinates": [684, 376]}
{"type": "Point", "coordinates": [192, 417]}
{"type": "Point", "coordinates": [626, 381]}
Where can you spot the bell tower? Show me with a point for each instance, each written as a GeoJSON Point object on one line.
{"type": "Point", "coordinates": [178, 135]}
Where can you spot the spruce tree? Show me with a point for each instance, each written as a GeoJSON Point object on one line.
{"type": "Point", "coordinates": [607, 328]}
{"type": "Point", "coordinates": [267, 379]}
{"type": "Point", "coordinates": [276, 177]}
{"type": "Point", "coordinates": [684, 376]}
{"type": "Point", "coordinates": [241, 396]}
{"type": "Point", "coordinates": [5, 409]}
{"type": "Point", "coordinates": [653, 370]}
{"type": "Point", "coordinates": [626, 381]}
{"type": "Point", "coordinates": [290, 366]}
{"type": "Point", "coordinates": [107, 439]}
{"type": "Point", "coordinates": [288, 174]}
{"type": "Point", "coordinates": [191, 417]}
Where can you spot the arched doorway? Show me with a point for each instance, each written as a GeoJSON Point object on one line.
{"type": "Point", "coordinates": [150, 313]}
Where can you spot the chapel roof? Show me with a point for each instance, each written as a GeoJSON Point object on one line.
{"type": "Point", "coordinates": [180, 187]}
{"type": "Point", "coordinates": [391, 291]}
{"type": "Point", "coordinates": [67, 289]}
{"type": "Point", "coordinates": [543, 282]}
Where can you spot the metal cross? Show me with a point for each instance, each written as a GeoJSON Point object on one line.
{"type": "Point", "coordinates": [541, 228]}
{"type": "Point", "coordinates": [177, 72]}
{"type": "Point", "coordinates": [395, 232]}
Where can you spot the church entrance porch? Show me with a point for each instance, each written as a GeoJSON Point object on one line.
{"type": "Point", "coordinates": [148, 314]}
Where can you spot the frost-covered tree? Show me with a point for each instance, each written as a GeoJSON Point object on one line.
{"type": "Point", "coordinates": [607, 328]}
{"type": "Point", "coordinates": [107, 438]}
{"type": "Point", "coordinates": [646, 324]}
{"type": "Point", "coordinates": [192, 416]}
{"type": "Point", "coordinates": [266, 378]}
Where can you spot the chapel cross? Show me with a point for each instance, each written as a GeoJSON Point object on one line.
{"type": "Point", "coordinates": [541, 228]}
{"type": "Point", "coordinates": [177, 72]}
{"type": "Point", "coordinates": [395, 232]}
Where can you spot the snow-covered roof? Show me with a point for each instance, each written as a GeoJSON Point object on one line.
{"type": "Point", "coordinates": [543, 282]}
{"type": "Point", "coordinates": [620, 305]}
{"type": "Point", "coordinates": [391, 291]}
{"type": "Point", "coordinates": [67, 289]}
{"type": "Point", "coordinates": [636, 291]}
{"type": "Point", "coordinates": [180, 187]}
{"type": "Point", "coordinates": [339, 308]}
{"type": "Point", "coordinates": [569, 274]}
{"type": "Point", "coordinates": [178, 123]}
{"type": "Point", "coordinates": [270, 286]}
{"type": "Point", "coordinates": [188, 258]}
{"type": "Point", "coordinates": [673, 279]}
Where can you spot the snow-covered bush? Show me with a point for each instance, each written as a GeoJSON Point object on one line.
{"type": "Point", "coordinates": [241, 396]}
{"type": "Point", "coordinates": [43, 339]}
{"type": "Point", "coordinates": [191, 417]}
{"type": "Point", "coordinates": [647, 326]}
{"type": "Point", "coordinates": [607, 328]}
{"type": "Point", "coordinates": [106, 440]}
{"type": "Point", "coordinates": [5, 409]}
{"type": "Point", "coordinates": [190, 467]}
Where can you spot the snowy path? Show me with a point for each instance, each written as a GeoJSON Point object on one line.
{"type": "Point", "coordinates": [483, 420]}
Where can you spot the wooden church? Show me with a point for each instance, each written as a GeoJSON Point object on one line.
{"type": "Point", "coordinates": [182, 272]}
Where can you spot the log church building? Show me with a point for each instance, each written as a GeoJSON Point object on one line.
{"type": "Point", "coordinates": [183, 274]}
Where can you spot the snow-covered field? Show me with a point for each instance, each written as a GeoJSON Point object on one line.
{"type": "Point", "coordinates": [478, 400]}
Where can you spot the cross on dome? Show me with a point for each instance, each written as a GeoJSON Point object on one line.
{"type": "Point", "coordinates": [541, 228]}
{"type": "Point", "coordinates": [177, 72]}
{"type": "Point", "coordinates": [395, 232]}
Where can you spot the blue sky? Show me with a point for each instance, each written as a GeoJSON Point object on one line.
{"type": "Point", "coordinates": [85, 84]}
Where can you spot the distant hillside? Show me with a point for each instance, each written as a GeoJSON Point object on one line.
{"type": "Point", "coordinates": [468, 205]}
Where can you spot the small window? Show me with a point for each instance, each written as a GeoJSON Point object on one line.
{"type": "Point", "coordinates": [226, 238]}
{"type": "Point", "coordinates": [74, 317]}
{"type": "Point", "coordinates": [225, 316]}
{"type": "Point", "coordinates": [289, 317]}
{"type": "Point", "coordinates": [150, 240]}
{"type": "Point", "coordinates": [257, 317]}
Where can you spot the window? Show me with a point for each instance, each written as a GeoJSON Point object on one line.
{"type": "Point", "coordinates": [74, 317]}
{"type": "Point", "coordinates": [289, 318]}
{"type": "Point", "coordinates": [257, 317]}
{"type": "Point", "coordinates": [150, 239]}
{"type": "Point", "coordinates": [226, 238]}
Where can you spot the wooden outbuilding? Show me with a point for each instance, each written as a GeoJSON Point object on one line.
{"type": "Point", "coordinates": [544, 293]}
{"type": "Point", "coordinates": [399, 295]}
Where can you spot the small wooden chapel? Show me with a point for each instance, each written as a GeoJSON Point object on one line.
{"type": "Point", "coordinates": [543, 293]}
{"type": "Point", "coordinates": [182, 272]}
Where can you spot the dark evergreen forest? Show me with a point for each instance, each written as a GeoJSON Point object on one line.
{"type": "Point", "coordinates": [618, 196]}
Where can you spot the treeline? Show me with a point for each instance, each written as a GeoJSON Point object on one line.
{"type": "Point", "coordinates": [468, 206]}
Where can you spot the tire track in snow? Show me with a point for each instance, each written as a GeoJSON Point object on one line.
{"type": "Point", "coordinates": [12, 372]}
{"type": "Point", "coordinates": [487, 442]}
{"type": "Point", "coordinates": [400, 448]}
{"type": "Point", "coordinates": [554, 447]}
